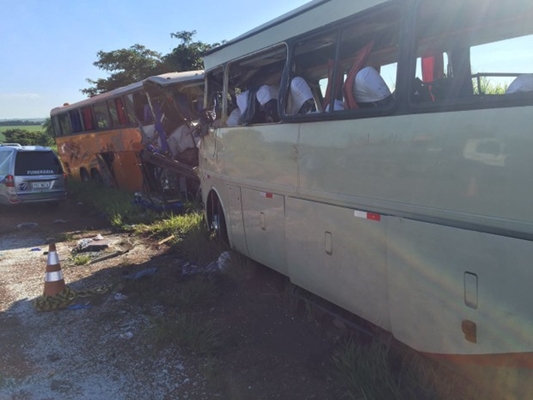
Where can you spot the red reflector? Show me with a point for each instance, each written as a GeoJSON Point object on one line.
{"type": "Point", "coordinates": [373, 216]}
{"type": "Point", "coordinates": [10, 181]}
{"type": "Point", "coordinates": [267, 195]}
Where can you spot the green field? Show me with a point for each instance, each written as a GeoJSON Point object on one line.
{"type": "Point", "coordinates": [30, 128]}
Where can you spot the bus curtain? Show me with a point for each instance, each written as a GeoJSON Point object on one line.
{"type": "Point", "coordinates": [359, 60]}
{"type": "Point", "coordinates": [332, 88]}
{"type": "Point", "coordinates": [432, 68]}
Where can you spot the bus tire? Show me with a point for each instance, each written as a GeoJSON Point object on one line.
{"type": "Point", "coordinates": [84, 175]}
{"type": "Point", "coordinates": [96, 177]}
{"type": "Point", "coordinates": [216, 219]}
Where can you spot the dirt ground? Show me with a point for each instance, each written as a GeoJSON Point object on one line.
{"type": "Point", "coordinates": [119, 344]}
{"type": "Point", "coordinates": [105, 348]}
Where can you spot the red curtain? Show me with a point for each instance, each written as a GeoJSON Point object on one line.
{"type": "Point", "coordinates": [347, 89]}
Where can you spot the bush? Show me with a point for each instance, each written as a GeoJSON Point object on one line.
{"type": "Point", "coordinates": [27, 138]}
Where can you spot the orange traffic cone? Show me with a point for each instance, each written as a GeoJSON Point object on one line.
{"type": "Point", "coordinates": [53, 278]}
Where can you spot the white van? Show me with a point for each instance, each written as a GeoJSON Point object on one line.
{"type": "Point", "coordinates": [30, 174]}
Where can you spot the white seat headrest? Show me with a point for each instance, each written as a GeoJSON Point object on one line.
{"type": "Point", "coordinates": [369, 86]}
{"type": "Point", "coordinates": [300, 92]}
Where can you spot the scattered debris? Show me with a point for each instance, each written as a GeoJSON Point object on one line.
{"type": "Point", "coordinates": [140, 274]}
{"type": "Point", "coordinates": [108, 256]}
{"type": "Point", "coordinates": [35, 249]}
{"type": "Point", "coordinates": [156, 204]}
{"type": "Point", "coordinates": [98, 237]}
{"type": "Point", "coordinates": [165, 240]}
{"type": "Point", "coordinates": [120, 296]}
{"type": "Point", "coordinates": [29, 225]}
{"type": "Point", "coordinates": [126, 335]}
{"type": "Point", "coordinates": [215, 267]}
{"type": "Point", "coordinates": [88, 245]}
{"type": "Point", "coordinates": [60, 221]}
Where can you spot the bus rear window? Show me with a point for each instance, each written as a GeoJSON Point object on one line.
{"type": "Point", "coordinates": [37, 163]}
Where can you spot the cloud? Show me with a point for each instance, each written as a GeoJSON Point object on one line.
{"type": "Point", "coordinates": [17, 96]}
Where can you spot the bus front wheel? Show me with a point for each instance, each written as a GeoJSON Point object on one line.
{"type": "Point", "coordinates": [216, 219]}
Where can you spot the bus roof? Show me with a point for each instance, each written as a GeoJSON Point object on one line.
{"type": "Point", "coordinates": [310, 16]}
{"type": "Point", "coordinates": [163, 79]}
{"type": "Point", "coordinates": [173, 78]}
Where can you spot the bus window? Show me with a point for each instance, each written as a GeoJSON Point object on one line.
{"type": "Point", "coordinates": [113, 113]}
{"type": "Point", "coordinates": [88, 118]}
{"type": "Point", "coordinates": [141, 108]}
{"type": "Point", "coordinates": [344, 68]}
{"type": "Point", "coordinates": [470, 52]}
{"type": "Point", "coordinates": [102, 115]}
{"type": "Point", "coordinates": [121, 112]}
{"type": "Point", "coordinates": [57, 126]}
{"type": "Point", "coordinates": [313, 66]}
{"type": "Point", "coordinates": [493, 75]}
{"type": "Point", "coordinates": [75, 121]}
{"type": "Point", "coordinates": [64, 123]}
{"type": "Point", "coordinates": [254, 85]}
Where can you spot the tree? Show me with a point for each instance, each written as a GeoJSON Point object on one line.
{"type": "Point", "coordinates": [125, 66]}
{"type": "Point", "coordinates": [48, 131]}
{"type": "Point", "coordinates": [131, 65]}
{"type": "Point", "coordinates": [188, 56]}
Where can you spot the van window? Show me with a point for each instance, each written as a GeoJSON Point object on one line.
{"type": "Point", "coordinates": [37, 163]}
{"type": "Point", "coordinates": [5, 160]}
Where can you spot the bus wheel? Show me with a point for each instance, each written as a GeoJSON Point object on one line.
{"type": "Point", "coordinates": [96, 177]}
{"type": "Point", "coordinates": [84, 175]}
{"type": "Point", "coordinates": [216, 218]}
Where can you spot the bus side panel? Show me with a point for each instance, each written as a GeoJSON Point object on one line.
{"type": "Point", "coordinates": [265, 228]}
{"type": "Point", "coordinates": [470, 166]}
{"type": "Point", "coordinates": [261, 155]}
{"type": "Point", "coordinates": [126, 170]}
{"type": "Point", "coordinates": [440, 277]}
{"type": "Point", "coordinates": [339, 256]}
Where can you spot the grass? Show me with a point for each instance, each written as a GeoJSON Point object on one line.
{"type": "Point", "coordinates": [377, 371]}
{"type": "Point", "coordinates": [197, 335]}
{"type": "Point", "coordinates": [82, 259]}
{"type": "Point", "coordinates": [115, 205]}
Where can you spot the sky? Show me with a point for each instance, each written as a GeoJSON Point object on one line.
{"type": "Point", "coordinates": [48, 47]}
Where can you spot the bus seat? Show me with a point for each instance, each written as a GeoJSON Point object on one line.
{"type": "Point", "coordinates": [250, 108]}
{"type": "Point", "coordinates": [301, 99]}
{"type": "Point", "coordinates": [267, 96]}
{"type": "Point", "coordinates": [233, 119]}
{"type": "Point", "coordinates": [369, 89]}
{"type": "Point", "coordinates": [522, 83]}
{"type": "Point", "coordinates": [347, 88]}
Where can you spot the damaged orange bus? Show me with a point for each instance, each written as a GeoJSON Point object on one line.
{"type": "Point", "coordinates": [378, 153]}
{"type": "Point", "coordinates": [137, 137]}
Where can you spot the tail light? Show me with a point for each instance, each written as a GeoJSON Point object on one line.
{"type": "Point", "coordinates": [65, 177]}
{"type": "Point", "coordinates": [10, 181]}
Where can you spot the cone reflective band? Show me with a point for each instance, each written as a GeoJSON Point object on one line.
{"type": "Point", "coordinates": [53, 258]}
{"type": "Point", "coordinates": [53, 276]}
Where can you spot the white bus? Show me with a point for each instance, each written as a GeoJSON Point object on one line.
{"type": "Point", "coordinates": [379, 154]}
